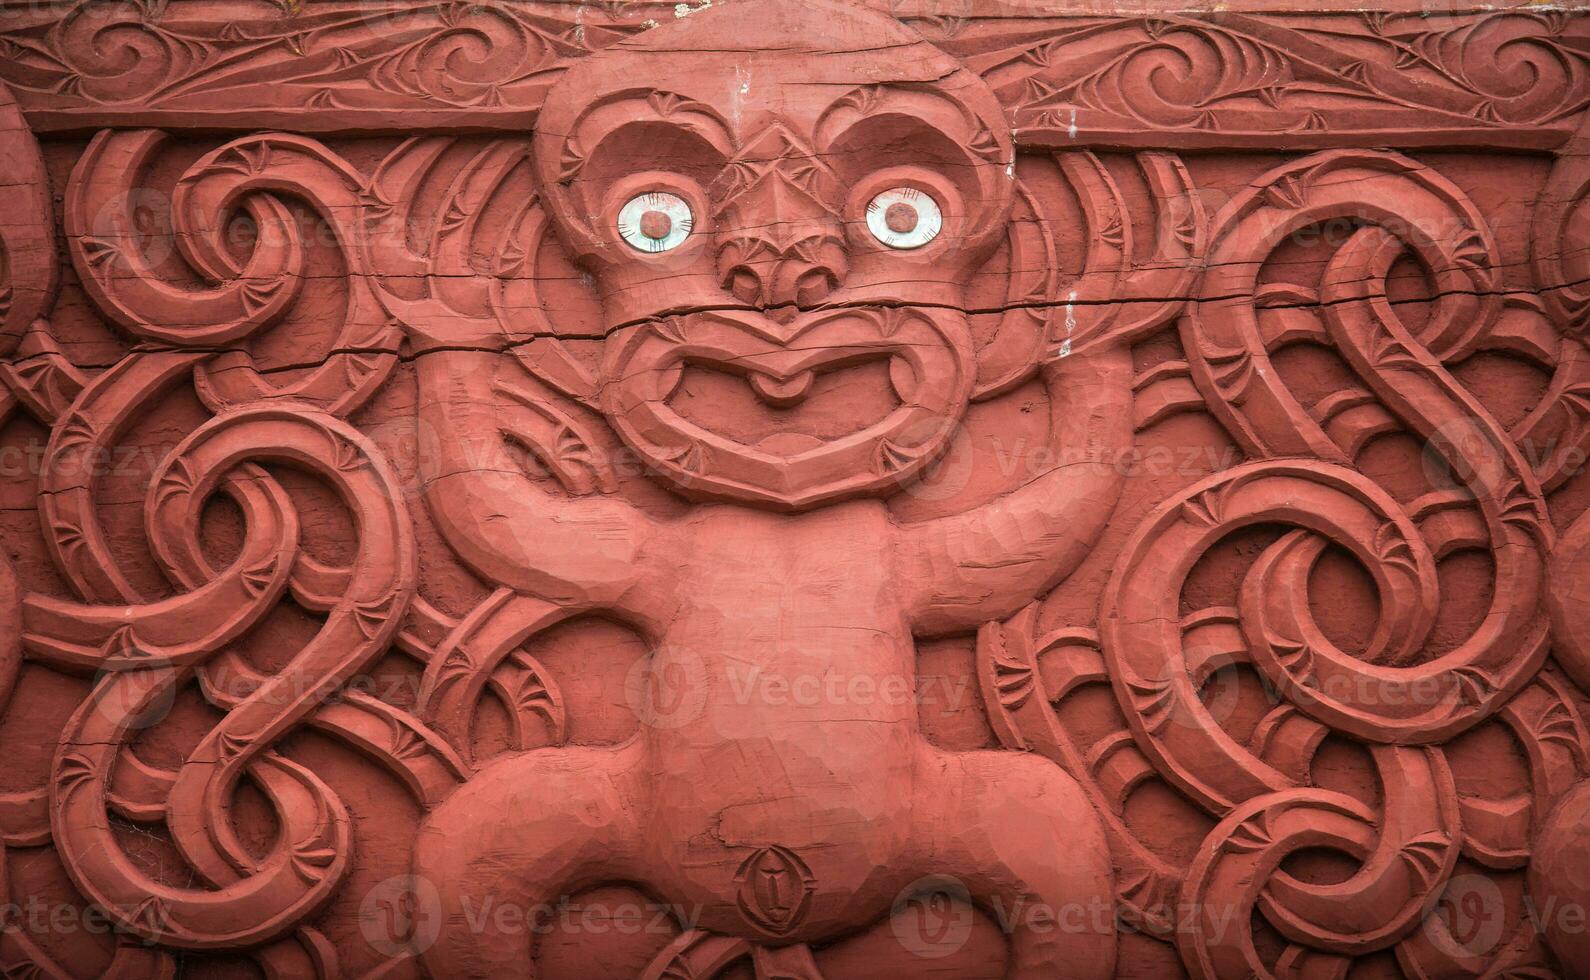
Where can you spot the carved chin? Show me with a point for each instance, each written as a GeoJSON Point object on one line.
{"type": "Point", "coordinates": [928, 369]}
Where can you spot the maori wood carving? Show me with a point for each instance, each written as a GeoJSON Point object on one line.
{"type": "Point", "coordinates": [793, 490]}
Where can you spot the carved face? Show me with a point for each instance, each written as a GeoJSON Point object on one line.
{"type": "Point", "coordinates": [811, 204]}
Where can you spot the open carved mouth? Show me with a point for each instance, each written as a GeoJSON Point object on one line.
{"type": "Point", "coordinates": [792, 413]}
{"type": "Point", "coordinates": [786, 412]}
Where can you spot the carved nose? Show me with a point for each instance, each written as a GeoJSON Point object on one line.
{"type": "Point", "coordinates": [782, 249]}
{"type": "Point", "coordinates": [784, 284]}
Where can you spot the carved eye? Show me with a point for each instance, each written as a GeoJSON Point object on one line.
{"type": "Point", "coordinates": [904, 217]}
{"type": "Point", "coordinates": [655, 221]}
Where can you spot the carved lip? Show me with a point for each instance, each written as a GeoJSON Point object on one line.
{"type": "Point", "coordinates": [790, 412]}
{"type": "Point", "coordinates": [779, 363]}
{"type": "Point", "coordinates": [819, 336]}
{"type": "Point", "coordinates": [929, 370]}
{"type": "Point", "coordinates": [782, 377]}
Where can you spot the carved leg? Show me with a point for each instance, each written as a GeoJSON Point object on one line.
{"type": "Point", "coordinates": [1022, 838]}
{"type": "Point", "coordinates": [515, 841]}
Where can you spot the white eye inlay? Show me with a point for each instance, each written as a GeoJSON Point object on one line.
{"type": "Point", "coordinates": [655, 221]}
{"type": "Point", "coordinates": [904, 217]}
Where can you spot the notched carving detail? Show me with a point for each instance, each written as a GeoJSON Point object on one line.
{"type": "Point", "coordinates": [774, 889]}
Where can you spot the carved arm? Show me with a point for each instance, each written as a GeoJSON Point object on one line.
{"type": "Point", "coordinates": [986, 563]}
{"type": "Point", "coordinates": [586, 551]}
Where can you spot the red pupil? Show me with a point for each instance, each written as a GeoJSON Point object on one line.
{"type": "Point", "coordinates": [900, 218]}
{"type": "Point", "coordinates": [655, 225]}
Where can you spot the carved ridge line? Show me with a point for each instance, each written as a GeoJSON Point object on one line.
{"type": "Point", "coordinates": [299, 72]}
{"type": "Point", "coordinates": [447, 122]}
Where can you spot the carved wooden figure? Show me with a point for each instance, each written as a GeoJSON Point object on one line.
{"type": "Point", "coordinates": [782, 824]}
{"type": "Point", "coordinates": [793, 489]}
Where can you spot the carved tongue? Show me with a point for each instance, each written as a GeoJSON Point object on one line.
{"type": "Point", "coordinates": [782, 393]}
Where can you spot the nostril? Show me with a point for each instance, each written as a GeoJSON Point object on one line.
{"type": "Point", "coordinates": [746, 286]}
{"type": "Point", "coordinates": [814, 286]}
